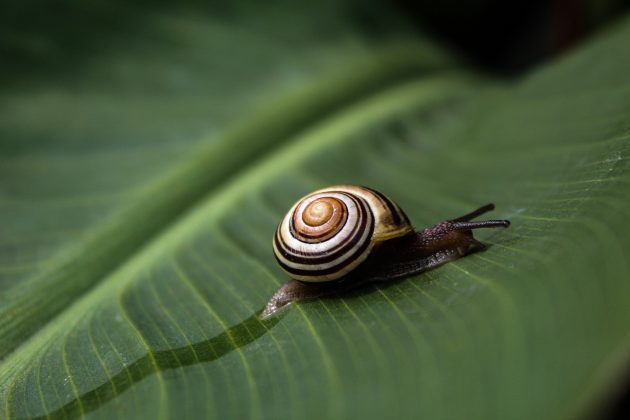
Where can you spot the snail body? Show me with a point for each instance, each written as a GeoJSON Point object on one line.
{"type": "Point", "coordinates": [340, 237]}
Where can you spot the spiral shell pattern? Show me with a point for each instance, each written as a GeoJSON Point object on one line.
{"type": "Point", "coordinates": [328, 233]}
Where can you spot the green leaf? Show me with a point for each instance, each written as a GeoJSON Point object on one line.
{"type": "Point", "coordinates": [120, 152]}
{"type": "Point", "coordinates": [139, 197]}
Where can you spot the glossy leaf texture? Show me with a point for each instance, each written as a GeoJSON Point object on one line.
{"type": "Point", "coordinates": [139, 198]}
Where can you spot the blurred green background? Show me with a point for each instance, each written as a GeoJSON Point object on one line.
{"type": "Point", "coordinates": [148, 150]}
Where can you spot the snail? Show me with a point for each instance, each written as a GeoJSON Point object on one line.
{"type": "Point", "coordinates": [341, 237]}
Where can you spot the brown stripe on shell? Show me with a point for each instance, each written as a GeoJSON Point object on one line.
{"type": "Point", "coordinates": [394, 210]}
{"type": "Point", "coordinates": [294, 255]}
{"type": "Point", "coordinates": [313, 238]}
{"type": "Point", "coordinates": [330, 270]}
{"type": "Point", "coordinates": [331, 254]}
{"type": "Point", "coordinates": [365, 221]}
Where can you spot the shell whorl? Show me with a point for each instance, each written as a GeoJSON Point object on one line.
{"type": "Point", "coordinates": [328, 233]}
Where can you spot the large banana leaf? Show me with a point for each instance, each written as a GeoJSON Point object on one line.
{"type": "Point", "coordinates": [140, 190]}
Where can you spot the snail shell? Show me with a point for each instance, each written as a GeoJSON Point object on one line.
{"type": "Point", "coordinates": [328, 233]}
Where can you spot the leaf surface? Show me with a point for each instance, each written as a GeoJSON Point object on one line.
{"type": "Point", "coordinates": [137, 252]}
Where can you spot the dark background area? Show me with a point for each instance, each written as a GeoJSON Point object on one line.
{"type": "Point", "coordinates": [501, 37]}
{"type": "Point", "coordinates": [509, 37]}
